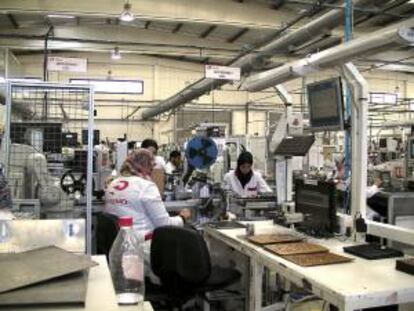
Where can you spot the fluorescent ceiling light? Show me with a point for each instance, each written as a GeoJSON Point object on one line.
{"type": "Point", "coordinates": [36, 80]}
{"type": "Point", "coordinates": [127, 15]}
{"type": "Point", "coordinates": [60, 16]}
{"type": "Point", "coordinates": [116, 54]}
{"type": "Point", "coordinates": [113, 86]}
{"type": "Point", "coordinates": [2, 80]}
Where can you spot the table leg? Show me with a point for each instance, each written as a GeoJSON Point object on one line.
{"type": "Point", "coordinates": [255, 291]}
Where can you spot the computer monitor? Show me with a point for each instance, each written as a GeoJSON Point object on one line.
{"type": "Point", "coordinates": [79, 163]}
{"type": "Point", "coordinates": [317, 202]}
{"type": "Point", "coordinates": [410, 148]}
{"type": "Point", "coordinates": [383, 143]}
{"type": "Point", "coordinates": [326, 107]}
{"type": "Point", "coordinates": [69, 139]}
{"type": "Point", "coordinates": [96, 137]}
{"type": "Point", "coordinates": [52, 134]}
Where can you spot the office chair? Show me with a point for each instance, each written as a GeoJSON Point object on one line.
{"type": "Point", "coordinates": [180, 258]}
{"type": "Point", "coordinates": [106, 231]}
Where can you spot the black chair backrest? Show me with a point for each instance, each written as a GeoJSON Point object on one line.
{"type": "Point", "coordinates": [179, 257]}
{"type": "Point", "coordinates": [106, 231]}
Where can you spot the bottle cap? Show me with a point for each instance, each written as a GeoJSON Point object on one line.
{"type": "Point", "coordinates": [125, 222]}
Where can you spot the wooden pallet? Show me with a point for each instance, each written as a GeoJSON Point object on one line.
{"type": "Point", "coordinates": [296, 248]}
{"type": "Point", "coordinates": [318, 259]}
{"type": "Point", "coordinates": [263, 239]}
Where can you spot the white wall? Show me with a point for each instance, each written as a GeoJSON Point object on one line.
{"type": "Point", "coordinates": [163, 78]}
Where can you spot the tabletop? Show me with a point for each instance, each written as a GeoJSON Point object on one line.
{"type": "Point", "coordinates": [358, 284]}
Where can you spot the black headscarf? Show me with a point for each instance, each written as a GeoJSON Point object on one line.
{"type": "Point", "coordinates": [244, 157]}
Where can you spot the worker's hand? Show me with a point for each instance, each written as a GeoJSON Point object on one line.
{"type": "Point", "coordinates": [185, 213]}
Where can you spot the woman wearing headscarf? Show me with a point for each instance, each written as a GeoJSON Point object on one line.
{"type": "Point", "coordinates": [134, 194]}
{"type": "Point", "coordinates": [244, 181]}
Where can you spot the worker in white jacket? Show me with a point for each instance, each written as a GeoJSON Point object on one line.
{"type": "Point", "coordinates": [244, 182]}
{"type": "Point", "coordinates": [134, 194]}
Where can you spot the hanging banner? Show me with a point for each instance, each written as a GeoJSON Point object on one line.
{"type": "Point", "coordinates": [222, 72]}
{"type": "Point", "coordinates": [66, 64]}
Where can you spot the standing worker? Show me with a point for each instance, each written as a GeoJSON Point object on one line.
{"type": "Point", "coordinates": [244, 181]}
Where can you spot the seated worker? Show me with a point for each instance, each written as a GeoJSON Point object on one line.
{"type": "Point", "coordinates": [377, 206]}
{"type": "Point", "coordinates": [374, 188]}
{"type": "Point", "coordinates": [174, 163]}
{"type": "Point", "coordinates": [152, 146]}
{"type": "Point", "coordinates": [244, 181]}
{"type": "Point", "coordinates": [158, 174]}
{"type": "Point", "coordinates": [134, 194]}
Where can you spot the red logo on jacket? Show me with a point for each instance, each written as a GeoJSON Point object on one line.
{"type": "Point", "coordinates": [122, 185]}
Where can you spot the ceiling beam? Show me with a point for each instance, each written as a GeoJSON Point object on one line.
{"type": "Point", "coordinates": [177, 28]}
{"type": "Point", "coordinates": [216, 12]}
{"type": "Point", "coordinates": [105, 37]}
{"type": "Point", "coordinates": [237, 35]}
{"type": "Point", "coordinates": [13, 21]}
{"type": "Point", "coordinates": [208, 31]}
{"type": "Point", "coordinates": [123, 34]}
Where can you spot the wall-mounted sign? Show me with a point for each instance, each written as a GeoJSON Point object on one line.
{"type": "Point", "coordinates": [222, 72]}
{"type": "Point", "coordinates": [67, 64]}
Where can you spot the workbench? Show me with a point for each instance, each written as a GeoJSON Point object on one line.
{"type": "Point", "coordinates": [100, 295]}
{"type": "Point", "coordinates": [348, 286]}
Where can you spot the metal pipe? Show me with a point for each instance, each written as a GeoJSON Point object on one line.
{"type": "Point", "coordinates": [390, 37]}
{"type": "Point", "coordinates": [327, 21]}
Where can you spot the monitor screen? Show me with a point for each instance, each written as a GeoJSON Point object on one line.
{"type": "Point", "coordinates": [318, 205]}
{"type": "Point", "coordinates": [52, 134]}
{"type": "Point", "coordinates": [69, 139]}
{"type": "Point", "coordinates": [96, 137]}
{"type": "Point", "coordinates": [325, 101]}
{"type": "Point", "coordinates": [383, 143]}
{"type": "Point", "coordinates": [411, 148]}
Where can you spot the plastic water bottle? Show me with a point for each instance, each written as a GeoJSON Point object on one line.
{"type": "Point", "coordinates": [126, 261]}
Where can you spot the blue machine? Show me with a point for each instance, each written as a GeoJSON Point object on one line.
{"type": "Point", "coordinates": [201, 152]}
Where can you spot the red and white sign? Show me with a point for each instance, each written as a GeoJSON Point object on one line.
{"type": "Point", "coordinates": [67, 64]}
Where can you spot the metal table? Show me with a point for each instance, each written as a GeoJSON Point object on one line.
{"type": "Point", "coordinates": [350, 286]}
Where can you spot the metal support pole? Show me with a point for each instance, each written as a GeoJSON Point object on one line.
{"type": "Point", "coordinates": [287, 100]}
{"type": "Point", "coordinates": [255, 291]}
{"type": "Point", "coordinates": [348, 140]}
{"type": "Point", "coordinates": [359, 88]}
{"type": "Point", "coordinates": [46, 53]}
{"type": "Point", "coordinates": [89, 176]}
{"type": "Point", "coordinates": [6, 63]}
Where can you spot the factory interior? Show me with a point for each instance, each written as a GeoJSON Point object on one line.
{"type": "Point", "coordinates": [221, 155]}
